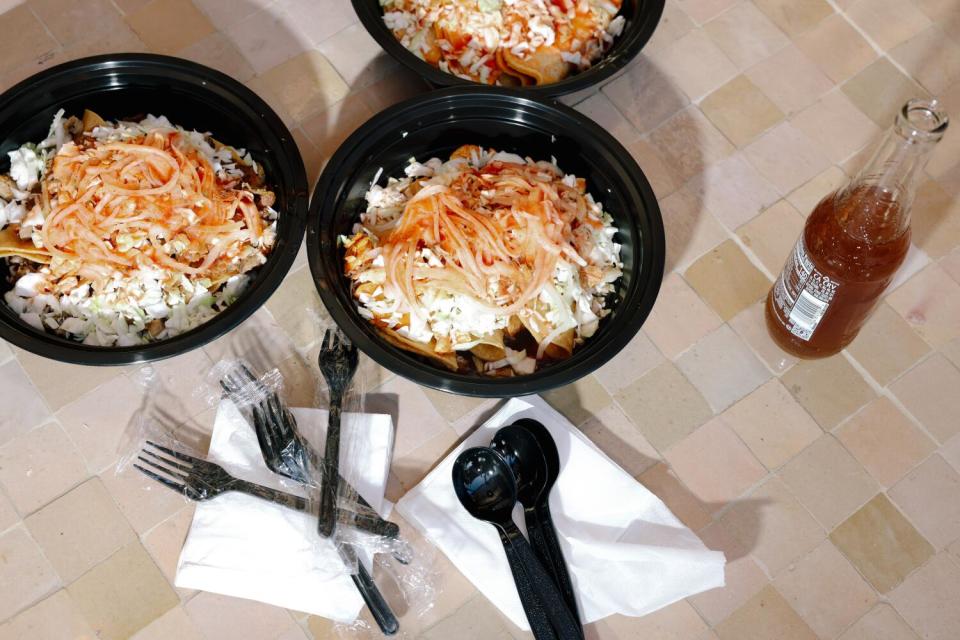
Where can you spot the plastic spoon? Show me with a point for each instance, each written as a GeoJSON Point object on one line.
{"type": "Point", "coordinates": [486, 488]}
{"type": "Point", "coordinates": [532, 454]}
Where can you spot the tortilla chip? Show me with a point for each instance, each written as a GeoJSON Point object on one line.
{"type": "Point", "coordinates": [545, 65]}
{"type": "Point", "coordinates": [11, 244]}
{"type": "Point", "coordinates": [508, 71]}
{"type": "Point", "coordinates": [91, 120]}
{"type": "Point", "coordinates": [466, 151]}
{"type": "Point", "coordinates": [448, 360]}
{"type": "Point", "coordinates": [562, 346]}
{"type": "Point", "coordinates": [488, 352]}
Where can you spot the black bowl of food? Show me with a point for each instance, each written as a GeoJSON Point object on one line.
{"type": "Point", "coordinates": [550, 49]}
{"type": "Point", "coordinates": [149, 205]}
{"type": "Point", "coordinates": [521, 250]}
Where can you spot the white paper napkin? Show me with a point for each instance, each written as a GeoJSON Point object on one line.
{"type": "Point", "coordinates": [625, 551]}
{"type": "Point", "coordinates": [242, 546]}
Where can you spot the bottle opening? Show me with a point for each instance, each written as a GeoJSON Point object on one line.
{"type": "Point", "coordinates": [923, 120]}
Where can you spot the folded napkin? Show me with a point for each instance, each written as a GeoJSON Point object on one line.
{"type": "Point", "coordinates": [625, 551]}
{"type": "Point", "coordinates": [242, 546]}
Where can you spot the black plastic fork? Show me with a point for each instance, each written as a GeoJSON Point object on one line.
{"type": "Point", "coordinates": [338, 362]}
{"type": "Point", "coordinates": [287, 453]}
{"type": "Point", "coordinates": [200, 480]}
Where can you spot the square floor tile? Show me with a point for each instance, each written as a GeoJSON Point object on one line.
{"type": "Point", "coordinates": [881, 543]}
{"type": "Point", "coordinates": [634, 360]}
{"type": "Point", "coordinates": [930, 302]}
{"type": "Point", "coordinates": [580, 400]}
{"type": "Point", "coordinates": [787, 157]}
{"type": "Point", "coordinates": [143, 502]}
{"type": "Point", "coordinates": [411, 468]}
{"type": "Point", "coordinates": [679, 318]}
{"type": "Point", "coordinates": [927, 599]}
{"type": "Point", "coordinates": [356, 56]}
{"type": "Point", "coordinates": [25, 574]}
{"type": "Point", "coordinates": [674, 24]}
{"type": "Point", "coordinates": [746, 35]}
{"type": "Point", "coordinates": [27, 39]}
{"type": "Point", "coordinates": [772, 424]}
{"type": "Point", "coordinates": [695, 64]}
{"type": "Point", "coordinates": [268, 37]}
{"type": "Point", "coordinates": [664, 483]}
{"type": "Point", "coordinates": [722, 368]}
{"type": "Point", "coordinates": [217, 51]}
{"type": "Point", "coordinates": [932, 57]}
{"type": "Point", "coordinates": [836, 126]}
{"type": "Point", "coordinates": [601, 110]}
{"type": "Point", "coordinates": [881, 623]}
{"type": "Point", "coordinates": [795, 17]}
{"type": "Point", "coordinates": [8, 514]}
{"type": "Point", "coordinates": [690, 143]}
{"type": "Point", "coordinates": [80, 529]}
{"type": "Point", "coordinates": [715, 464]}
{"type": "Point", "coordinates": [122, 595]}
{"type": "Point", "coordinates": [828, 481]}
{"type": "Point", "coordinates": [929, 392]}
{"type": "Point", "coordinates": [773, 525]}
{"type": "Point", "coordinates": [166, 26]}
{"type": "Point", "coordinates": [691, 230]}
{"type": "Point", "coordinates": [743, 576]}
{"type": "Point", "coordinates": [327, 130]}
{"type": "Point", "coordinates": [24, 408]}
{"type": "Point", "coordinates": [48, 376]}
{"type": "Point", "coordinates": [790, 79]}
{"type": "Point", "coordinates": [936, 225]}
{"type": "Point", "coordinates": [888, 22]}
{"type": "Point", "coordinates": [55, 618]}
{"type": "Point", "coordinates": [727, 280]}
{"type": "Point", "coordinates": [664, 406]}
{"type": "Point", "coordinates": [40, 465]}
{"type": "Point", "coordinates": [740, 110]}
{"type": "Point", "coordinates": [180, 385]}
{"type": "Point", "coordinates": [705, 10]}
{"type": "Point", "coordinates": [678, 621]}
{"type": "Point", "coordinates": [222, 617]}
{"type": "Point", "coordinates": [646, 95]}
{"type": "Point", "coordinates": [661, 177]}
{"type": "Point", "coordinates": [886, 345]}
{"type": "Point", "coordinates": [69, 22]}
{"type": "Point", "coordinates": [319, 20]}
{"type": "Point", "coordinates": [165, 541]}
{"type": "Point", "coordinates": [826, 591]}
{"type": "Point", "coordinates": [880, 90]}
{"type": "Point", "coordinates": [930, 496]}
{"type": "Point", "coordinates": [829, 389]}
{"type": "Point", "coordinates": [765, 612]}
{"type": "Point", "coordinates": [174, 624]}
{"type": "Point", "coordinates": [621, 440]}
{"type": "Point", "coordinates": [772, 234]}
{"type": "Point", "coordinates": [733, 190]}
{"type": "Point", "coordinates": [415, 418]}
{"type": "Point", "coordinates": [99, 422]}
{"type": "Point", "coordinates": [302, 86]}
{"type": "Point", "coordinates": [836, 47]}
{"type": "Point", "coordinates": [885, 441]}
{"type": "Point", "coordinates": [751, 325]}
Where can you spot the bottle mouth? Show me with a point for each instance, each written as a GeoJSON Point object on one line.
{"type": "Point", "coordinates": [923, 120]}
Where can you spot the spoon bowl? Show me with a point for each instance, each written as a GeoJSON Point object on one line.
{"type": "Point", "coordinates": [522, 451]}
{"type": "Point", "coordinates": [548, 448]}
{"type": "Point", "coordinates": [485, 485]}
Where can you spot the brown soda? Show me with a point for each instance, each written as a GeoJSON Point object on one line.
{"type": "Point", "coordinates": [853, 242]}
{"type": "Point", "coordinates": [855, 249]}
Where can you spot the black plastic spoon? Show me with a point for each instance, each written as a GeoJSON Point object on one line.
{"type": "Point", "coordinates": [486, 488]}
{"type": "Point", "coordinates": [532, 454]}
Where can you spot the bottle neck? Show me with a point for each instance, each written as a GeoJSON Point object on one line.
{"type": "Point", "coordinates": [886, 186]}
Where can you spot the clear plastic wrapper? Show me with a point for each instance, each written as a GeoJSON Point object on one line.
{"type": "Point", "coordinates": [292, 451]}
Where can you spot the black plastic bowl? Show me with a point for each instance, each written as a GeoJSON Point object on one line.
{"type": "Point", "coordinates": [190, 95]}
{"type": "Point", "coordinates": [642, 17]}
{"type": "Point", "coordinates": [436, 124]}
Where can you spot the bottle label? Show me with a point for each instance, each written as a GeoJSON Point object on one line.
{"type": "Point", "coordinates": [802, 294]}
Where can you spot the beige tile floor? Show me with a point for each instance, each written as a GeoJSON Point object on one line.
{"type": "Point", "coordinates": [832, 486]}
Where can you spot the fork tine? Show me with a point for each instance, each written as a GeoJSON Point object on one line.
{"type": "Point", "coordinates": [178, 475]}
{"type": "Point", "coordinates": [179, 488]}
{"type": "Point", "coordinates": [175, 454]}
{"type": "Point", "coordinates": [249, 374]}
{"type": "Point", "coordinates": [175, 465]}
{"type": "Point", "coordinates": [327, 340]}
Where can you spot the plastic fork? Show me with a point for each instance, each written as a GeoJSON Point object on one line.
{"type": "Point", "coordinates": [338, 362]}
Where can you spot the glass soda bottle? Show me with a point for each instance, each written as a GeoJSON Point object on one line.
{"type": "Point", "coordinates": [853, 242]}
